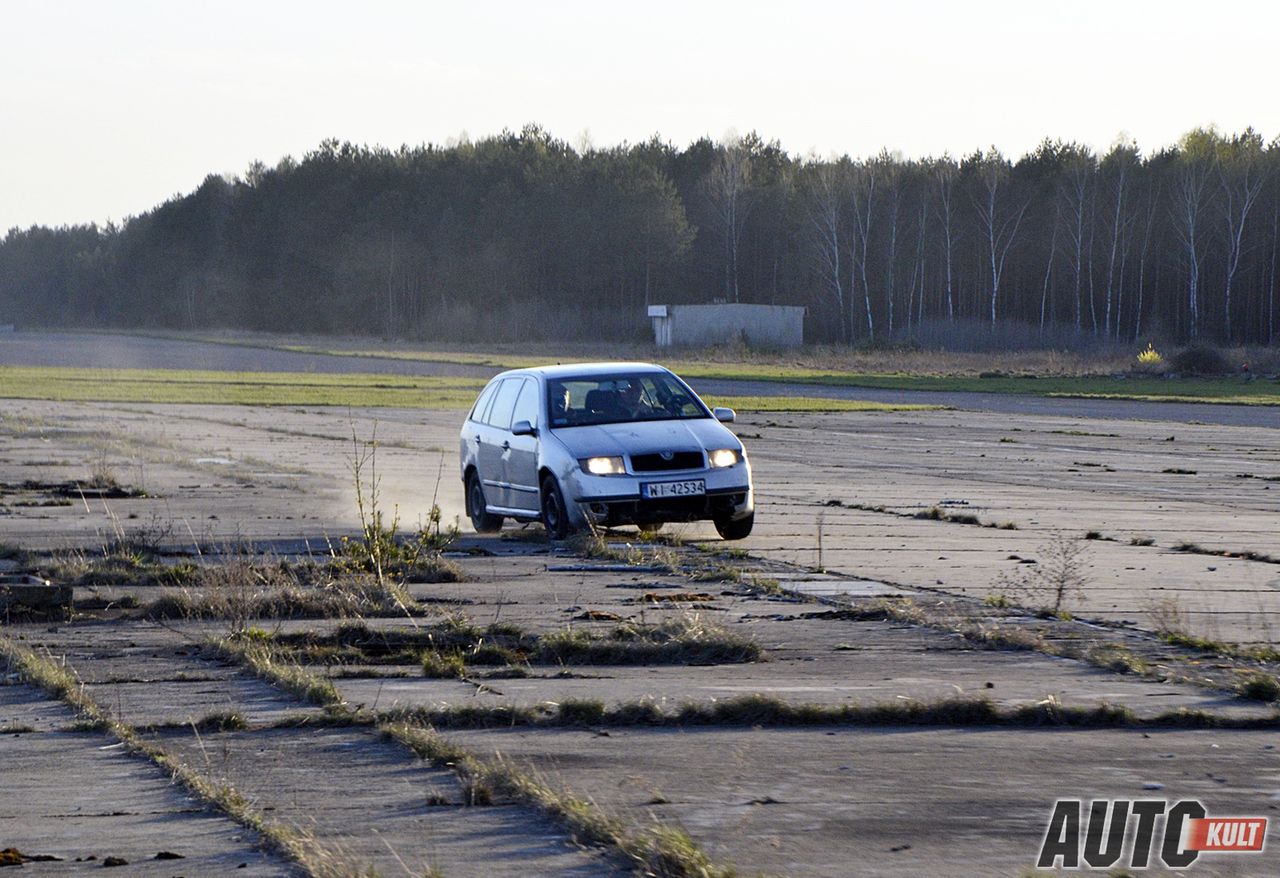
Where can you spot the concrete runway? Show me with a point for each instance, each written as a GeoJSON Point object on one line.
{"type": "Point", "coordinates": [806, 802]}
{"type": "Point", "coordinates": [222, 473]}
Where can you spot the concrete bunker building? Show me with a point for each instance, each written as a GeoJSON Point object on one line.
{"type": "Point", "coordinates": [758, 325]}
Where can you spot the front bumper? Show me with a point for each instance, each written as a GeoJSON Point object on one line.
{"type": "Point", "coordinates": [610, 500]}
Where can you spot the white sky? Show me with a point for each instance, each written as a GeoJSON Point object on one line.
{"type": "Point", "coordinates": [111, 106]}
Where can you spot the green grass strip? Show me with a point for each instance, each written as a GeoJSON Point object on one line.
{"type": "Point", "coordinates": [237, 388]}
{"type": "Point", "coordinates": [355, 390]}
{"type": "Point", "coordinates": [1226, 391]}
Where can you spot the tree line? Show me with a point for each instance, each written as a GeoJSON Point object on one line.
{"type": "Point", "coordinates": [521, 236]}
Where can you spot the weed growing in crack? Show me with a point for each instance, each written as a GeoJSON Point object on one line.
{"type": "Point", "coordinates": [279, 669]}
{"type": "Point", "coordinates": [243, 589]}
{"type": "Point", "coordinates": [1168, 619]}
{"type": "Point", "coordinates": [1173, 626]}
{"type": "Point", "coordinates": [685, 640]}
{"type": "Point", "coordinates": [1117, 659]}
{"type": "Point", "coordinates": [456, 645]}
{"type": "Point", "coordinates": [767, 711]}
{"type": "Point", "coordinates": [1260, 687]}
{"type": "Point", "coordinates": [443, 666]}
{"type": "Point", "coordinates": [381, 550]}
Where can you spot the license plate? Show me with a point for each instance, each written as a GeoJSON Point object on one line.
{"type": "Point", "coordinates": [690, 488]}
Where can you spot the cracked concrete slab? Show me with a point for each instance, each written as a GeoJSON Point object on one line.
{"type": "Point", "coordinates": [373, 801]}
{"type": "Point", "coordinates": [82, 797]}
{"type": "Point", "coordinates": [894, 801]}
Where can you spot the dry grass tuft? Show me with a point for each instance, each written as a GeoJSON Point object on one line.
{"type": "Point", "coordinates": [278, 668]}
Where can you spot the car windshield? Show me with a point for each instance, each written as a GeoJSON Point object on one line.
{"type": "Point", "coordinates": [619, 399]}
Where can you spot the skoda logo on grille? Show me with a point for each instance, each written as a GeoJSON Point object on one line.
{"type": "Point", "coordinates": [668, 455]}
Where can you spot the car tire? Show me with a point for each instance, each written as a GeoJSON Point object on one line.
{"type": "Point", "coordinates": [482, 521]}
{"type": "Point", "coordinates": [740, 529]}
{"type": "Point", "coordinates": [651, 528]}
{"type": "Point", "coordinates": [555, 515]}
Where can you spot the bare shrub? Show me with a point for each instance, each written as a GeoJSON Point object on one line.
{"type": "Point", "coordinates": [1168, 618]}
{"type": "Point", "coordinates": [101, 473]}
{"type": "Point", "coordinates": [1200, 360]}
{"type": "Point", "coordinates": [1055, 581]}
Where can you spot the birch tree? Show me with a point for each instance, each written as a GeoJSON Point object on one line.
{"type": "Point", "coordinates": [1194, 167]}
{"type": "Point", "coordinates": [1076, 191]}
{"type": "Point", "coordinates": [918, 272]}
{"type": "Point", "coordinates": [1271, 293]}
{"type": "Point", "coordinates": [891, 172]}
{"type": "Point", "coordinates": [944, 179]}
{"type": "Point", "coordinates": [728, 190]}
{"type": "Point", "coordinates": [863, 195]}
{"type": "Point", "coordinates": [1152, 197]}
{"type": "Point", "coordinates": [998, 220]}
{"type": "Point", "coordinates": [1048, 263]}
{"type": "Point", "coordinates": [823, 197]}
{"type": "Point", "coordinates": [1117, 167]}
{"type": "Point", "coordinates": [1241, 176]}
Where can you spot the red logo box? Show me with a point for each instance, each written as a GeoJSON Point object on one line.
{"type": "Point", "coordinates": [1218, 834]}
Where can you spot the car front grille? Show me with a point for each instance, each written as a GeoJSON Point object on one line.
{"type": "Point", "coordinates": [656, 463]}
{"type": "Point", "coordinates": [667, 509]}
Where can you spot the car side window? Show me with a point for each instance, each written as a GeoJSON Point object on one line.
{"type": "Point", "coordinates": [527, 405]}
{"type": "Point", "coordinates": [477, 411]}
{"type": "Point", "coordinates": [504, 403]}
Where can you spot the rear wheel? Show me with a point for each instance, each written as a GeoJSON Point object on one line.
{"type": "Point", "coordinates": [481, 520]}
{"type": "Point", "coordinates": [555, 517]}
{"type": "Point", "coordinates": [740, 529]}
{"type": "Point", "coordinates": [650, 528]}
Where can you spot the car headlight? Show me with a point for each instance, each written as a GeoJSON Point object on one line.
{"type": "Point", "coordinates": [604, 466]}
{"type": "Point", "coordinates": [723, 457]}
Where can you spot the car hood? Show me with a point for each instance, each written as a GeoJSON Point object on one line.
{"type": "Point", "coordinates": [643, 437]}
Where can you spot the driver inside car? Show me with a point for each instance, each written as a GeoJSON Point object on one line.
{"type": "Point", "coordinates": [628, 400]}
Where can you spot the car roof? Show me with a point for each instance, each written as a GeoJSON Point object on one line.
{"type": "Point", "coordinates": [568, 370]}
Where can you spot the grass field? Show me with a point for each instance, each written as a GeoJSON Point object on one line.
{"type": "Point", "coordinates": [1229, 390]}
{"type": "Point", "coordinates": [314, 389]}
{"type": "Point", "coordinates": [1234, 391]}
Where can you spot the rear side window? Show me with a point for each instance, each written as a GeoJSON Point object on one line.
{"type": "Point", "coordinates": [527, 405]}
{"type": "Point", "coordinates": [477, 411]}
{"type": "Point", "coordinates": [504, 403]}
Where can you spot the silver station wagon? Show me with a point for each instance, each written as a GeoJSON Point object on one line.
{"type": "Point", "coordinates": [602, 444]}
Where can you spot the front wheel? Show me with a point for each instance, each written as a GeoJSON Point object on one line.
{"type": "Point", "coordinates": [555, 517]}
{"type": "Point", "coordinates": [650, 528]}
{"type": "Point", "coordinates": [740, 529]}
{"type": "Point", "coordinates": [481, 520]}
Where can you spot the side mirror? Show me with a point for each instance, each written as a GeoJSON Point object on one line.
{"type": "Point", "coordinates": [523, 428]}
{"type": "Point", "coordinates": [725, 416]}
